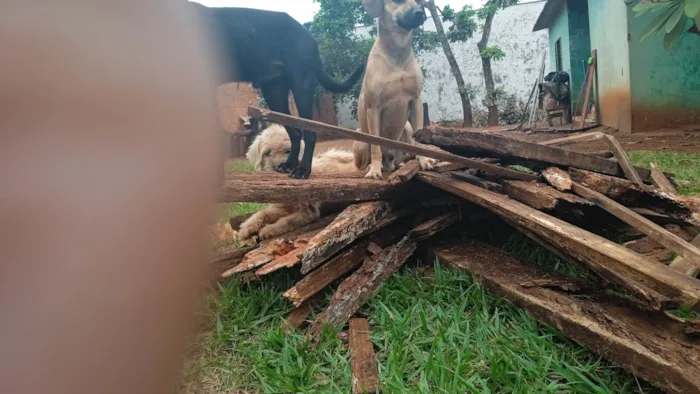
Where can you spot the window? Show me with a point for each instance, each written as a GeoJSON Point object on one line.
{"type": "Point", "coordinates": [557, 55]}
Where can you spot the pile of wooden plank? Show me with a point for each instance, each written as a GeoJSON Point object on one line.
{"type": "Point", "coordinates": [592, 211]}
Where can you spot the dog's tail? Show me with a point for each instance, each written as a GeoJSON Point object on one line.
{"type": "Point", "coordinates": [334, 86]}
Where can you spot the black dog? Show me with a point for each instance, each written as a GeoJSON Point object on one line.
{"type": "Point", "coordinates": [276, 54]}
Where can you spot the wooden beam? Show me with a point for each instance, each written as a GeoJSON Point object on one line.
{"type": "Point", "coordinates": [279, 188]}
{"type": "Point", "coordinates": [405, 173]}
{"type": "Point", "coordinates": [363, 364]}
{"type": "Point", "coordinates": [587, 247]}
{"type": "Point", "coordinates": [661, 181]}
{"type": "Point", "coordinates": [630, 194]}
{"type": "Point", "coordinates": [685, 266]}
{"type": "Point", "coordinates": [341, 264]}
{"type": "Point", "coordinates": [360, 286]}
{"type": "Point", "coordinates": [477, 143]}
{"type": "Point", "coordinates": [434, 226]}
{"type": "Point", "coordinates": [624, 160]}
{"type": "Point", "coordinates": [558, 178]}
{"type": "Point", "coordinates": [351, 224]}
{"type": "Point", "coordinates": [649, 346]}
{"type": "Point", "coordinates": [575, 139]}
{"type": "Point", "coordinates": [319, 127]}
{"type": "Point", "coordinates": [475, 180]}
{"type": "Point", "coordinates": [543, 197]}
{"type": "Point", "coordinates": [227, 259]}
{"type": "Point", "coordinates": [651, 229]}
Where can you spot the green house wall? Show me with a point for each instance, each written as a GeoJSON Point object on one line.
{"type": "Point", "coordinates": [665, 85]}
{"type": "Point", "coordinates": [560, 30]}
{"type": "Point", "coordinates": [579, 47]}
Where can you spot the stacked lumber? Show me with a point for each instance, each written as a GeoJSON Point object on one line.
{"type": "Point", "coordinates": [588, 209]}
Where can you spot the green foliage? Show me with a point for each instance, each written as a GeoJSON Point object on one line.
{"type": "Point", "coordinates": [493, 53]}
{"type": "Point", "coordinates": [671, 19]}
{"type": "Point", "coordinates": [463, 24]}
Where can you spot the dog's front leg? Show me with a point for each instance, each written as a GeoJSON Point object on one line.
{"type": "Point", "coordinates": [260, 219]}
{"type": "Point", "coordinates": [374, 125]}
{"type": "Point", "coordinates": [416, 119]}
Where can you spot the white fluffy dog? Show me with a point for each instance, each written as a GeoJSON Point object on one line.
{"type": "Point", "coordinates": [270, 149]}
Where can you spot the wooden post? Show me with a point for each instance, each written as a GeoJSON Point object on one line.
{"type": "Point", "coordinates": [426, 116]}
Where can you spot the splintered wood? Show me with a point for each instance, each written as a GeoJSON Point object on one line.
{"type": "Point", "coordinates": [363, 365]}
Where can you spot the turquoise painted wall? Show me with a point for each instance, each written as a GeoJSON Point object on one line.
{"type": "Point", "coordinates": [560, 29]}
{"type": "Point", "coordinates": [580, 46]}
{"type": "Point", "coordinates": [608, 28]}
{"type": "Point", "coordinates": [664, 81]}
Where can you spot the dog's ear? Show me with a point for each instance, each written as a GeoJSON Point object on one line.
{"type": "Point", "coordinates": [254, 154]}
{"type": "Point", "coordinates": [373, 7]}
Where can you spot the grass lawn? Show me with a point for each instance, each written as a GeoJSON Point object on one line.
{"type": "Point", "coordinates": [432, 334]}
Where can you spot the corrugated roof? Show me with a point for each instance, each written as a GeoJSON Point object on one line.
{"type": "Point", "coordinates": [549, 13]}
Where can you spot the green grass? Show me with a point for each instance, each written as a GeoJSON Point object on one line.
{"type": "Point", "coordinates": [685, 167]}
{"type": "Point", "coordinates": [440, 334]}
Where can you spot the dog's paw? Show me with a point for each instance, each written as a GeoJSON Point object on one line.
{"type": "Point", "coordinates": [426, 163]}
{"type": "Point", "coordinates": [300, 173]}
{"type": "Point", "coordinates": [286, 167]}
{"type": "Point", "coordinates": [374, 174]}
{"type": "Point", "coordinates": [246, 233]}
{"type": "Point", "coordinates": [267, 233]}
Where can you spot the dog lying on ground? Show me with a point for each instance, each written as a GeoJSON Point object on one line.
{"type": "Point", "coordinates": [276, 54]}
{"type": "Point", "coordinates": [391, 89]}
{"type": "Point", "coordinates": [269, 149]}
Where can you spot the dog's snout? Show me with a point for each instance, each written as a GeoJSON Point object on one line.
{"type": "Point", "coordinates": [419, 15]}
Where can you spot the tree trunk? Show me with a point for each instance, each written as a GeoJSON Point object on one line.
{"type": "Point", "coordinates": [490, 99]}
{"type": "Point", "coordinates": [461, 88]}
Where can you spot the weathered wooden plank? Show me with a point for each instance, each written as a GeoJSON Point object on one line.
{"type": "Point", "coordinates": [543, 197]}
{"type": "Point", "coordinates": [350, 225]}
{"type": "Point", "coordinates": [360, 286]}
{"type": "Point", "coordinates": [405, 173]}
{"type": "Point", "coordinates": [650, 346]}
{"type": "Point", "coordinates": [280, 246]}
{"type": "Point", "coordinates": [661, 181]}
{"type": "Point", "coordinates": [475, 180]}
{"type": "Point", "coordinates": [479, 144]}
{"type": "Point", "coordinates": [363, 364]}
{"type": "Point", "coordinates": [632, 195]}
{"type": "Point", "coordinates": [319, 127]}
{"type": "Point", "coordinates": [227, 259]}
{"type": "Point", "coordinates": [574, 241]}
{"type": "Point", "coordinates": [624, 160]}
{"type": "Point", "coordinates": [558, 178]}
{"type": "Point", "coordinates": [685, 266]}
{"type": "Point", "coordinates": [575, 139]}
{"type": "Point", "coordinates": [651, 229]}
{"type": "Point", "coordinates": [342, 264]}
{"type": "Point", "coordinates": [279, 188]}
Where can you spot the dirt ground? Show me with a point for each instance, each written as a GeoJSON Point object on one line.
{"type": "Point", "coordinates": [685, 139]}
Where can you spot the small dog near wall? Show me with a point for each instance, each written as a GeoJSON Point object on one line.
{"type": "Point", "coordinates": [269, 149]}
{"type": "Point", "coordinates": [276, 54]}
{"type": "Point", "coordinates": [391, 89]}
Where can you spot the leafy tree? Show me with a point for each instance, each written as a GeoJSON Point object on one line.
{"type": "Point", "coordinates": [463, 28]}
{"type": "Point", "coordinates": [672, 17]}
{"type": "Point", "coordinates": [444, 38]}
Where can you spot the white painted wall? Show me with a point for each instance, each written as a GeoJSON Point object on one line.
{"type": "Point", "coordinates": [511, 31]}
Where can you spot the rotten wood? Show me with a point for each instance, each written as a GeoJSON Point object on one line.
{"type": "Point", "coordinates": [543, 197]}
{"type": "Point", "coordinates": [575, 139]}
{"type": "Point", "coordinates": [279, 188]}
{"type": "Point", "coordinates": [474, 180]}
{"type": "Point", "coordinates": [363, 364]}
{"type": "Point", "coordinates": [319, 127]}
{"type": "Point", "coordinates": [227, 259]}
{"type": "Point", "coordinates": [685, 266]}
{"type": "Point", "coordinates": [443, 167]}
{"type": "Point", "coordinates": [351, 224]}
{"type": "Point", "coordinates": [361, 285]}
{"type": "Point", "coordinates": [558, 178]}
{"type": "Point", "coordinates": [433, 226]}
{"type": "Point", "coordinates": [342, 264]}
{"type": "Point", "coordinates": [646, 226]}
{"type": "Point", "coordinates": [650, 346]}
{"type": "Point", "coordinates": [584, 246]}
{"type": "Point", "coordinates": [271, 249]}
{"type": "Point", "coordinates": [645, 298]}
{"type": "Point", "coordinates": [477, 143]}
{"type": "Point", "coordinates": [632, 195]}
{"type": "Point", "coordinates": [658, 218]}
{"type": "Point", "coordinates": [622, 158]}
{"type": "Point", "coordinates": [405, 173]}
{"type": "Point", "coordinates": [661, 181]}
